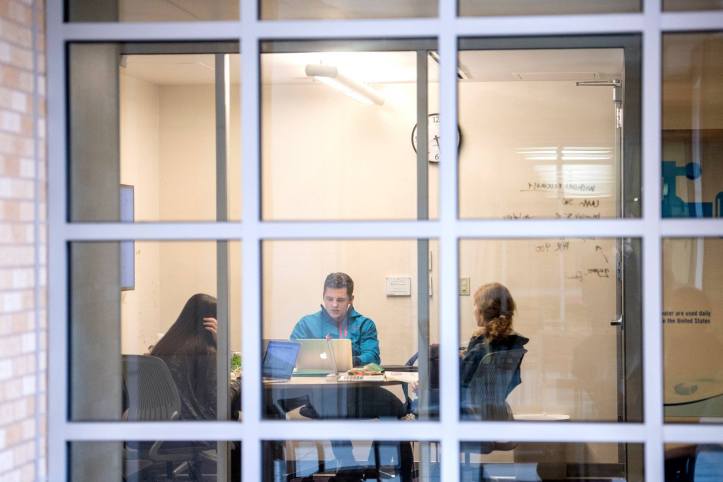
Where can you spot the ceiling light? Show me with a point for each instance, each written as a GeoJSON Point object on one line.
{"type": "Point", "coordinates": [330, 76]}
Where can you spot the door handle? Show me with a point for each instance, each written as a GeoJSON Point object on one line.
{"type": "Point", "coordinates": [618, 322]}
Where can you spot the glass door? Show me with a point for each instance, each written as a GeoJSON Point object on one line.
{"type": "Point", "coordinates": [547, 134]}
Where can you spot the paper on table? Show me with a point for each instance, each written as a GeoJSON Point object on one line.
{"type": "Point", "coordinates": [405, 377]}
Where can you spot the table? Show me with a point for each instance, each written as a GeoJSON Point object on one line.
{"type": "Point", "coordinates": [332, 398]}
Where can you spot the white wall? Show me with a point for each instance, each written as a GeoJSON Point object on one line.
{"type": "Point", "coordinates": [517, 125]}
{"type": "Point", "coordinates": [327, 156]}
{"type": "Point", "coordinates": [168, 155]}
{"type": "Point", "coordinates": [140, 167]}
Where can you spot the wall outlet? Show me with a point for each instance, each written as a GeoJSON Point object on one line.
{"type": "Point", "coordinates": [464, 287]}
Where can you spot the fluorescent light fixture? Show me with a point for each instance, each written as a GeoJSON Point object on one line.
{"type": "Point", "coordinates": [330, 76]}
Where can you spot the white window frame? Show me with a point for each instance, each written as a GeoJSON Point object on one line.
{"type": "Point", "coordinates": [448, 229]}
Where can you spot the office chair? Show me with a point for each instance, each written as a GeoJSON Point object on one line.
{"type": "Point", "coordinates": [150, 394]}
{"type": "Point", "coordinates": [413, 405]}
{"type": "Point", "coordinates": [485, 397]}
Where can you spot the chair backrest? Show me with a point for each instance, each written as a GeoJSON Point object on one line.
{"type": "Point", "coordinates": [485, 398]}
{"type": "Point", "coordinates": [151, 391]}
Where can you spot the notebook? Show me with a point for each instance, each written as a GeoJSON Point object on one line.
{"type": "Point", "coordinates": [279, 360]}
{"type": "Point", "coordinates": [322, 356]}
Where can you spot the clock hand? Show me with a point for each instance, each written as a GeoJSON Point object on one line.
{"type": "Point", "coordinates": [436, 140]}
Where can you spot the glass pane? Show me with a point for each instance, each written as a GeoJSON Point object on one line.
{"type": "Point", "coordinates": [154, 132]}
{"type": "Point", "coordinates": [692, 167]}
{"type": "Point", "coordinates": [351, 329]}
{"type": "Point", "coordinates": [551, 461]}
{"type": "Point", "coordinates": [693, 329]}
{"type": "Point", "coordinates": [152, 324]}
{"type": "Point", "coordinates": [340, 126]}
{"type": "Point", "coordinates": [345, 9]}
{"type": "Point", "coordinates": [701, 463]}
{"type": "Point", "coordinates": [350, 461]}
{"type": "Point", "coordinates": [150, 10]}
{"type": "Point", "coordinates": [549, 7]}
{"type": "Point", "coordinates": [147, 461]}
{"type": "Point", "coordinates": [521, 300]}
{"type": "Point", "coordinates": [546, 132]}
{"type": "Point", "coordinates": [692, 5]}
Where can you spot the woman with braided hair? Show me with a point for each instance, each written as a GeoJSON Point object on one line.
{"type": "Point", "coordinates": [494, 309]}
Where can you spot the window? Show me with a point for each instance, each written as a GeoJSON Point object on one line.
{"type": "Point", "coordinates": [491, 132]}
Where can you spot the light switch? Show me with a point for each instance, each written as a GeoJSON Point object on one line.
{"type": "Point", "coordinates": [398, 286]}
{"type": "Point", "coordinates": [464, 287]}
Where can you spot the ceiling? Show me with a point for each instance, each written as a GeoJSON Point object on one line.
{"type": "Point", "coordinates": [388, 67]}
{"type": "Point", "coordinates": [177, 10]}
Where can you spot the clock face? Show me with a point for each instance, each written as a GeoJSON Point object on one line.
{"type": "Point", "coordinates": [433, 138]}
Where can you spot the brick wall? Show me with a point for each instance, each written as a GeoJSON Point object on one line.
{"type": "Point", "coordinates": [22, 241]}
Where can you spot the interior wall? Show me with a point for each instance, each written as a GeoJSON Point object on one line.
{"type": "Point", "coordinates": [140, 167]}
{"type": "Point", "coordinates": [311, 134]}
{"type": "Point", "coordinates": [168, 155]}
{"type": "Point", "coordinates": [535, 127]}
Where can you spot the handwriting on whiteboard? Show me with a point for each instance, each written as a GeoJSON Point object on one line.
{"type": "Point", "coordinates": [582, 187]}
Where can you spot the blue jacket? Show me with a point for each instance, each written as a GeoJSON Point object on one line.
{"type": "Point", "coordinates": [358, 328]}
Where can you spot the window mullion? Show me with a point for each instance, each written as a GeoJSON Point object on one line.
{"type": "Point", "coordinates": [250, 99]}
{"type": "Point", "coordinates": [57, 369]}
{"type": "Point", "coordinates": [652, 256]}
{"type": "Point", "coordinates": [449, 246]}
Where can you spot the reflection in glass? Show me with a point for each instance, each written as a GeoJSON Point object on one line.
{"type": "Point", "coordinates": [551, 461]}
{"type": "Point", "coordinates": [693, 329]}
{"type": "Point", "coordinates": [316, 460]}
{"type": "Point", "coordinates": [169, 120]}
{"type": "Point", "coordinates": [338, 121]}
{"type": "Point", "coordinates": [553, 118]}
{"type": "Point", "coordinates": [692, 169]}
{"type": "Point", "coordinates": [699, 463]}
{"type": "Point", "coordinates": [151, 351]}
{"type": "Point", "coordinates": [536, 7]}
{"type": "Point", "coordinates": [672, 5]}
{"type": "Point", "coordinates": [541, 329]}
{"type": "Point", "coordinates": [353, 308]}
{"type": "Point", "coordinates": [151, 10]}
{"type": "Point", "coordinates": [345, 9]}
{"type": "Point", "coordinates": [152, 461]}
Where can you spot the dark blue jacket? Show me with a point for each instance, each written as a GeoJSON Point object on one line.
{"type": "Point", "coordinates": [358, 328]}
{"type": "Point", "coordinates": [478, 347]}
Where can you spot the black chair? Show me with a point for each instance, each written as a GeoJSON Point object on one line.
{"type": "Point", "coordinates": [410, 365]}
{"type": "Point", "coordinates": [150, 394]}
{"type": "Point", "coordinates": [486, 396]}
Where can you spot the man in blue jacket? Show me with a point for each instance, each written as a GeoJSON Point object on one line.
{"type": "Point", "coordinates": [338, 319]}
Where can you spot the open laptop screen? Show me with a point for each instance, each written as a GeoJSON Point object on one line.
{"type": "Point", "coordinates": [280, 359]}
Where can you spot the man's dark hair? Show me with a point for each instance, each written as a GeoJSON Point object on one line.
{"type": "Point", "coordinates": [339, 280]}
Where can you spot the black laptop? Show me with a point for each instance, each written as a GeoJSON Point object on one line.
{"type": "Point", "coordinates": [279, 360]}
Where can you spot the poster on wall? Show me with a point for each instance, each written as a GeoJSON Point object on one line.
{"type": "Point", "coordinates": [127, 248]}
{"type": "Point", "coordinates": [692, 327]}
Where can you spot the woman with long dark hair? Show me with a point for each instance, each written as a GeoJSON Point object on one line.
{"type": "Point", "coordinates": [189, 350]}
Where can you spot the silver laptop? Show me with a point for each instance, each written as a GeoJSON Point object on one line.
{"type": "Point", "coordinates": [321, 356]}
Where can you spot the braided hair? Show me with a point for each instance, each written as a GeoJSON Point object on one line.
{"type": "Point", "coordinates": [494, 309]}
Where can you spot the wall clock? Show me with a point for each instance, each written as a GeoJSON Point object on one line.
{"type": "Point", "coordinates": [433, 136]}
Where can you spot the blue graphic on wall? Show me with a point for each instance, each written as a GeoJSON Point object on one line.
{"type": "Point", "coordinates": [675, 207]}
